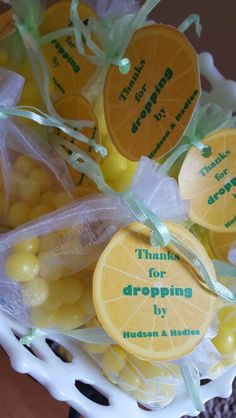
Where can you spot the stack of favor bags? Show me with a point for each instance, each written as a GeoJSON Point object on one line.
{"type": "Point", "coordinates": [118, 192]}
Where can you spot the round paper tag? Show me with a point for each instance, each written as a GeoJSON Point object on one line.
{"type": "Point", "coordinates": [210, 183]}
{"type": "Point", "coordinates": [77, 107]}
{"type": "Point", "coordinates": [69, 70]}
{"type": "Point", "coordinates": [148, 109]}
{"type": "Point", "coordinates": [152, 301]}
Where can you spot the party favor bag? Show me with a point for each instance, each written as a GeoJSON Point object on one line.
{"type": "Point", "coordinates": [34, 178]}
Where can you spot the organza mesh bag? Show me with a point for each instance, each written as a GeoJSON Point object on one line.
{"type": "Point", "coordinates": [34, 178]}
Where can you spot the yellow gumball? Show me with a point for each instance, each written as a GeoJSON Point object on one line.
{"type": "Point", "coordinates": [24, 164]}
{"type": "Point", "coordinates": [148, 369]}
{"type": "Point", "coordinates": [35, 292]}
{"type": "Point", "coordinates": [50, 268]}
{"type": "Point", "coordinates": [227, 317]}
{"type": "Point", "coordinates": [73, 289]}
{"type": "Point", "coordinates": [22, 266]}
{"type": "Point", "coordinates": [113, 166]}
{"type": "Point", "coordinates": [40, 210]}
{"type": "Point", "coordinates": [42, 318]}
{"type": "Point", "coordinates": [130, 378]}
{"type": "Point", "coordinates": [18, 214]}
{"type": "Point", "coordinates": [43, 178]}
{"type": "Point", "coordinates": [144, 393]}
{"type": "Point", "coordinates": [70, 316]}
{"type": "Point", "coordinates": [61, 199]}
{"type": "Point", "coordinates": [30, 245]}
{"type": "Point", "coordinates": [48, 242]}
{"type": "Point", "coordinates": [86, 302]}
{"type": "Point", "coordinates": [113, 360]}
{"type": "Point", "coordinates": [17, 181]}
{"type": "Point", "coordinates": [29, 191]}
{"type": "Point", "coordinates": [96, 348]}
{"type": "Point", "coordinates": [56, 295]}
{"type": "Point", "coordinates": [48, 198]}
{"type": "Point", "coordinates": [225, 341]}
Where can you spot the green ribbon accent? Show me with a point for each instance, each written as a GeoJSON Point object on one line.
{"type": "Point", "coordinates": [160, 235]}
{"type": "Point", "coordinates": [193, 19]}
{"type": "Point", "coordinates": [49, 121]}
{"type": "Point", "coordinates": [114, 41]}
{"type": "Point", "coordinates": [87, 335]}
{"type": "Point", "coordinates": [212, 284]}
{"type": "Point", "coordinates": [191, 379]}
{"type": "Point", "coordinates": [206, 119]}
{"type": "Point", "coordinates": [41, 74]}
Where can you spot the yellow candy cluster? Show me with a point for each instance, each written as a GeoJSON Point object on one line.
{"type": "Point", "coordinates": [34, 192]}
{"type": "Point", "coordinates": [117, 170]}
{"type": "Point", "coordinates": [225, 340]}
{"type": "Point", "coordinates": [54, 297]}
{"type": "Point", "coordinates": [137, 377]}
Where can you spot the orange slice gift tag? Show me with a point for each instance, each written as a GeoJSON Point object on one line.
{"type": "Point", "coordinates": [148, 109]}
{"type": "Point", "coordinates": [209, 183]}
{"type": "Point", "coordinates": [152, 301]}
{"type": "Point", "coordinates": [69, 70]}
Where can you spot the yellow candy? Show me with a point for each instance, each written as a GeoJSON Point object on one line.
{"type": "Point", "coordinates": [42, 318]}
{"type": "Point", "coordinates": [30, 245]}
{"type": "Point", "coordinates": [48, 242]}
{"type": "Point", "coordinates": [225, 341]}
{"type": "Point", "coordinates": [70, 316]}
{"type": "Point", "coordinates": [22, 266]}
{"type": "Point", "coordinates": [43, 178]}
{"type": "Point", "coordinates": [61, 199]}
{"type": "Point", "coordinates": [56, 296]}
{"type": "Point", "coordinates": [113, 166]}
{"type": "Point", "coordinates": [48, 198]}
{"type": "Point", "coordinates": [29, 191]}
{"type": "Point", "coordinates": [24, 164]}
{"type": "Point", "coordinates": [73, 289]}
{"type": "Point", "coordinates": [17, 181]}
{"type": "Point", "coordinates": [96, 348]}
{"type": "Point", "coordinates": [35, 292]}
{"type": "Point", "coordinates": [144, 393]}
{"type": "Point", "coordinates": [227, 317]}
{"type": "Point", "coordinates": [148, 370]}
{"type": "Point", "coordinates": [86, 302]}
{"type": "Point", "coordinates": [230, 360]}
{"type": "Point", "coordinates": [18, 214]}
{"type": "Point", "coordinates": [92, 323]}
{"type": "Point", "coordinates": [50, 268]}
{"type": "Point", "coordinates": [113, 360]}
{"type": "Point", "coordinates": [129, 378]}
{"type": "Point", "coordinates": [40, 210]}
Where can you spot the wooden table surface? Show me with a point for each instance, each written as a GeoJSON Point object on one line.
{"type": "Point", "coordinates": [23, 397]}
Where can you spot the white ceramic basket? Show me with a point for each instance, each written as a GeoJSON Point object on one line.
{"type": "Point", "coordinates": [60, 377]}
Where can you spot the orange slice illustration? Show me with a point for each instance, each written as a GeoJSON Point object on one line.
{"type": "Point", "coordinates": [210, 183]}
{"type": "Point", "coordinates": [151, 301]}
{"type": "Point", "coordinates": [69, 70]}
{"type": "Point", "coordinates": [148, 109]}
